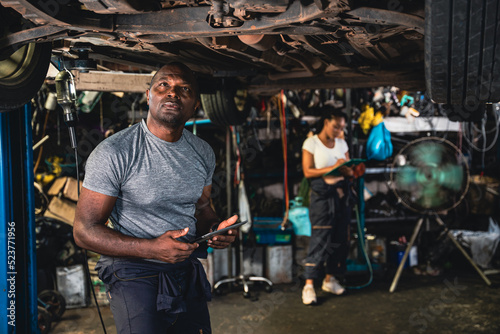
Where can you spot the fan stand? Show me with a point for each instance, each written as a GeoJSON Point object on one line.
{"type": "Point", "coordinates": [452, 238]}
{"type": "Point", "coordinates": [242, 278]}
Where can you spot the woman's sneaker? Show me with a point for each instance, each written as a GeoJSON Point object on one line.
{"type": "Point", "coordinates": [333, 286]}
{"type": "Point", "coordinates": [308, 295]}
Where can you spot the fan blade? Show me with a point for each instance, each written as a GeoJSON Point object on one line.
{"type": "Point", "coordinates": [427, 154]}
{"type": "Point", "coordinates": [430, 196]}
{"type": "Point", "coordinates": [406, 177]}
{"type": "Point", "coordinates": [428, 185]}
{"type": "Point", "coordinates": [451, 176]}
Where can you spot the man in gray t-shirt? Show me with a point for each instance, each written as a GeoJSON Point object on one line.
{"type": "Point", "coordinates": [153, 182]}
{"type": "Point", "coordinates": [156, 183]}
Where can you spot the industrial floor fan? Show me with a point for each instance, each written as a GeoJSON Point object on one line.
{"type": "Point", "coordinates": [430, 176]}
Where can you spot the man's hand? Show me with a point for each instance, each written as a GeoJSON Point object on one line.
{"type": "Point", "coordinates": [224, 240]}
{"type": "Point", "coordinates": [167, 249]}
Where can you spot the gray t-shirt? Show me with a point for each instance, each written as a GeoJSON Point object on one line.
{"type": "Point", "coordinates": [157, 183]}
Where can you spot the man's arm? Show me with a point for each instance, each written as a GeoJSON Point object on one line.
{"type": "Point", "coordinates": [206, 219]}
{"type": "Point", "coordinates": [89, 230]}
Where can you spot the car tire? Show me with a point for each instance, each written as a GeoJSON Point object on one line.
{"type": "Point", "coordinates": [55, 303]}
{"type": "Point", "coordinates": [460, 113]}
{"type": "Point", "coordinates": [22, 73]}
{"type": "Point", "coordinates": [462, 52]}
{"type": "Point", "coordinates": [226, 106]}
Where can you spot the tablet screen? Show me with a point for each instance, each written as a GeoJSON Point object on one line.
{"type": "Point", "coordinates": [221, 231]}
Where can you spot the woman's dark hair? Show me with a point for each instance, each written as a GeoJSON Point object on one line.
{"type": "Point", "coordinates": [329, 112]}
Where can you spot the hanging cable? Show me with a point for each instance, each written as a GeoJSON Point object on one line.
{"type": "Point", "coordinates": [460, 136]}
{"type": "Point", "coordinates": [282, 116]}
{"type": "Point", "coordinates": [467, 131]}
{"type": "Point", "coordinates": [483, 152]}
{"type": "Point", "coordinates": [235, 139]}
{"type": "Point", "coordinates": [86, 266]}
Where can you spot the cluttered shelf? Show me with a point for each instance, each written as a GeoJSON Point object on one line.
{"type": "Point", "coordinates": [387, 219]}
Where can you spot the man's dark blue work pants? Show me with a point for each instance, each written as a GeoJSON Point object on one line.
{"type": "Point", "coordinates": [136, 294]}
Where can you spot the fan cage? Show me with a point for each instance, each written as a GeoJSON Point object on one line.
{"type": "Point", "coordinates": [406, 198]}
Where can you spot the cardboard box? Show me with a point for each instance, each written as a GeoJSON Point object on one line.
{"type": "Point", "coordinates": [61, 209]}
{"type": "Point", "coordinates": [57, 186]}
{"type": "Point", "coordinates": [66, 185]}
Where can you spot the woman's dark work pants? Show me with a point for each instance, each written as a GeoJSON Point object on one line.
{"type": "Point", "coordinates": [330, 216]}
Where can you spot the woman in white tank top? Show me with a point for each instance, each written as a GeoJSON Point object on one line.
{"type": "Point", "coordinates": [328, 211]}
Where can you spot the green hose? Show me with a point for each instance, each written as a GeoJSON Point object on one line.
{"type": "Point", "coordinates": [365, 253]}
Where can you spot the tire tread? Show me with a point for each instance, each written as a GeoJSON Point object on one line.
{"type": "Point", "coordinates": [463, 52]}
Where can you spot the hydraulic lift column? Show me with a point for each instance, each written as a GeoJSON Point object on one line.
{"type": "Point", "coordinates": [18, 306]}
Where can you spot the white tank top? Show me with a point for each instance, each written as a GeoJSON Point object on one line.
{"type": "Point", "coordinates": [325, 156]}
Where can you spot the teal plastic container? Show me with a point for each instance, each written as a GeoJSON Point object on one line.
{"type": "Point", "coordinates": [268, 231]}
{"type": "Point", "coordinates": [299, 216]}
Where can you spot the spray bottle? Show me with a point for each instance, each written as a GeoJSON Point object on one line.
{"type": "Point", "coordinates": [299, 216]}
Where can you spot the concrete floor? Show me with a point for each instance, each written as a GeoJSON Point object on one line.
{"type": "Point", "coordinates": [456, 302]}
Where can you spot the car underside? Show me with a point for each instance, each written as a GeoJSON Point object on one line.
{"type": "Point", "coordinates": [282, 44]}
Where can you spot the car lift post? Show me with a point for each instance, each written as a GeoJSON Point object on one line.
{"type": "Point", "coordinates": [17, 225]}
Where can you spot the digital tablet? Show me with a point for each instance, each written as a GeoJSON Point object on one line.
{"type": "Point", "coordinates": [210, 235]}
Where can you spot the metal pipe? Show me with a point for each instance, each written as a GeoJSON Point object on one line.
{"type": "Point", "coordinates": [229, 198]}
{"type": "Point", "coordinates": [405, 256]}
{"type": "Point", "coordinates": [43, 140]}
